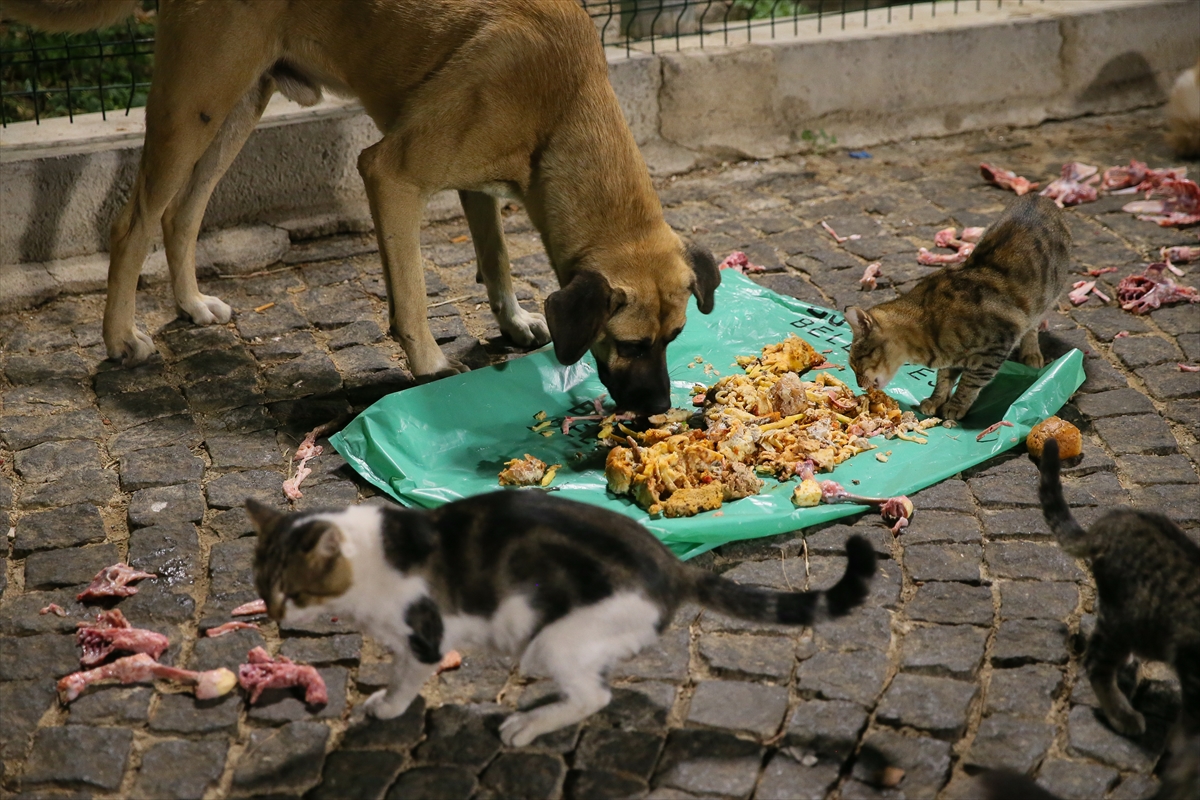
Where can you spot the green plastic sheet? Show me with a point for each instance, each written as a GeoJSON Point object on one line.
{"type": "Point", "coordinates": [447, 440]}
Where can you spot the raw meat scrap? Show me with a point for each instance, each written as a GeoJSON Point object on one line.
{"type": "Point", "coordinates": [1189, 368]}
{"type": "Point", "coordinates": [1138, 177]}
{"type": "Point", "coordinates": [973, 235]}
{"type": "Point", "coordinates": [1006, 179]}
{"type": "Point", "coordinates": [1080, 291]}
{"type": "Point", "coordinates": [253, 607]}
{"type": "Point", "coordinates": [947, 238]}
{"type": "Point", "coordinates": [1151, 289]}
{"type": "Point", "coordinates": [869, 275]}
{"type": "Point", "coordinates": [55, 609]}
{"type": "Point", "coordinates": [834, 234]}
{"type": "Point", "coordinates": [740, 262]}
{"type": "Point", "coordinates": [262, 673]}
{"type": "Point", "coordinates": [229, 627]}
{"type": "Point", "coordinates": [896, 511]}
{"type": "Point", "coordinates": [1180, 206]}
{"type": "Point", "coordinates": [111, 633]}
{"type": "Point", "coordinates": [113, 582]}
{"type": "Point", "coordinates": [141, 668]}
{"type": "Point", "coordinates": [1074, 186]}
{"type": "Point", "coordinates": [450, 661]}
{"type": "Point", "coordinates": [1180, 255]}
{"type": "Point", "coordinates": [308, 450]}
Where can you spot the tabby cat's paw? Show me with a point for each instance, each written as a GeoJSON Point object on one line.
{"type": "Point", "coordinates": [1127, 722]}
{"type": "Point", "coordinates": [929, 407]}
{"type": "Point", "coordinates": [380, 707]}
{"type": "Point", "coordinates": [1033, 359]}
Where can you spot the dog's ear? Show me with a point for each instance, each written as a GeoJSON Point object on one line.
{"type": "Point", "coordinates": [578, 312]}
{"type": "Point", "coordinates": [707, 276]}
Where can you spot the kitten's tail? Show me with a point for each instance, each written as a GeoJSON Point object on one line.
{"type": "Point", "coordinates": [790, 608]}
{"type": "Point", "coordinates": [1070, 534]}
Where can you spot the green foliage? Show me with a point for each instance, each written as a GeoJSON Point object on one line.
{"type": "Point", "coordinates": [113, 58]}
{"type": "Point", "coordinates": [820, 141]}
{"type": "Point", "coordinates": [765, 9]}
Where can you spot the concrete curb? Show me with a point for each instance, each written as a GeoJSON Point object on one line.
{"type": "Point", "coordinates": [62, 184]}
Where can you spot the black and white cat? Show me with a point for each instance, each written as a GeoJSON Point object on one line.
{"type": "Point", "coordinates": [569, 587]}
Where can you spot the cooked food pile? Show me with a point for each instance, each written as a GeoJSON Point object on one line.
{"type": "Point", "coordinates": [527, 471]}
{"type": "Point", "coordinates": [767, 420]}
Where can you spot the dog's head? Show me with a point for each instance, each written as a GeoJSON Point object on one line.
{"type": "Point", "coordinates": [626, 305]}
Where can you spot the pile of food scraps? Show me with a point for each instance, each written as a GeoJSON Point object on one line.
{"type": "Point", "coordinates": [767, 420]}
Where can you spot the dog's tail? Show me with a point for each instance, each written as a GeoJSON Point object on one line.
{"type": "Point", "coordinates": [1070, 534]}
{"type": "Point", "coordinates": [790, 608]}
{"type": "Point", "coordinates": [68, 16]}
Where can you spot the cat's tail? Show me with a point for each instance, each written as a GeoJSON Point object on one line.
{"type": "Point", "coordinates": [1070, 534]}
{"type": "Point", "coordinates": [790, 608]}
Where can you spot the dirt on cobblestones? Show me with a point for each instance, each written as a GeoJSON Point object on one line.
{"type": "Point", "coordinates": [964, 657]}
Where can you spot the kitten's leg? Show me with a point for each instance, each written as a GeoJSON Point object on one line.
{"type": "Point", "coordinates": [1105, 655]}
{"type": "Point", "coordinates": [408, 676]}
{"type": "Point", "coordinates": [584, 693]}
{"type": "Point", "coordinates": [1030, 352]}
{"type": "Point", "coordinates": [941, 392]}
{"type": "Point", "coordinates": [978, 373]}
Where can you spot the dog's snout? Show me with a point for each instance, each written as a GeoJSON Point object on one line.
{"type": "Point", "coordinates": [643, 387]}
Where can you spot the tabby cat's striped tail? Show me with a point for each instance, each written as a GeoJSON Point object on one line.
{"type": "Point", "coordinates": [791, 608]}
{"type": "Point", "coordinates": [1070, 534]}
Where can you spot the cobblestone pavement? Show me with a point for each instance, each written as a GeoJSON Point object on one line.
{"type": "Point", "coordinates": [963, 658]}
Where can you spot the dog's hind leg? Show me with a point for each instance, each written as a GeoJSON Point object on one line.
{"type": "Point", "coordinates": [487, 232]}
{"type": "Point", "coordinates": [201, 72]}
{"type": "Point", "coordinates": [396, 206]}
{"type": "Point", "coordinates": [181, 222]}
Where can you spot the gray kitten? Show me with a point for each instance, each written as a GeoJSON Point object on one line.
{"type": "Point", "coordinates": [1147, 576]}
{"type": "Point", "coordinates": [570, 588]}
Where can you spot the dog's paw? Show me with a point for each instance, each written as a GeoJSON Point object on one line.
{"type": "Point", "coordinates": [431, 369]}
{"type": "Point", "coordinates": [205, 309]}
{"type": "Point", "coordinates": [130, 348]}
{"type": "Point", "coordinates": [379, 707]}
{"type": "Point", "coordinates": [525, 328]}
{"type": "Point", "coordinates": [519, 730]}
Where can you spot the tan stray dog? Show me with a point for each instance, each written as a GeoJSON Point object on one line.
{"type": "Point", "coordinates": [1183, 114]}
{"type": "Point", "coordinates": [494, 98]}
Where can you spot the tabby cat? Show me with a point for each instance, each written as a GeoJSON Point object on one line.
{"type": "Point", "coordinates": [964, 321]}
{"type": "Point", "coordinates": [570, 587]}
{"type": "Point", "coordinates": [1147, 575]}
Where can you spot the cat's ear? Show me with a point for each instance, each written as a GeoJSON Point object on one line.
{"type": "Point", "coordinates": [326, 550]}
{"type": "Point", "coordinates": [263, 516]}
{"type": "Point", "coordinates": [860, 321]}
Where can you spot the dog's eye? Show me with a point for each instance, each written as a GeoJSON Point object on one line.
{"type": "Point", "coordinates": [633, 349]}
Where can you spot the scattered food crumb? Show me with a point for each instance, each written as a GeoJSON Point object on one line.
{"type": "Point", "coordinates": [264, 307]}
{"type": "Point", "coordinates": [230, 627]}
{"type": "Point", "coordinates": [253, 607]}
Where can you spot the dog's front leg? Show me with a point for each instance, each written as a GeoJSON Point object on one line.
{"type": "Point", "coordinates": [487, 232]}
{"type": "Point", "coordinates": [396, 206]}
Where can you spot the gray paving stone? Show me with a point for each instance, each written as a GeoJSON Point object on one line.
{"type": "Point", "coordinates": [1028, 560]}
{"type": "Point", "coordinates": [1037, 600]}
{"type": "Point", "coordinates": [533, 775]}
{"type": "Point", "coordinates": [1023, 523]}
{"type": "Point", "coordinates": [243, 450]}
{"type": "Point", "coordinates": [224, 651]}
{"type": "Point", "coordinates": [113, 704]}
{"type": "Point", "coordinates": [709, 762]}
{"type": "Point", "coordinates": [1178, 319]}
{"type": "Point", "coordinates": [587, 784]}
{"type": "Point", "coordinates": [642, 706]}
{"type": "Point", "coordinates": [1136, 787]}
{"type": "Point", "coordinates": [22, 432]}
{"type": "Point", "coordinates": [19, 614]}
{"type": "Point", "coordinates": [952, 651]}
{"type": "Point", "coordinates": [68, 566]}
{"type": "Point", "coordinates": [742, 707]}
{"type": "Point", "coordinates": [183, 713]}
{"type": "Point", "coordinates": [1158, 469]}
{"type": "Point", "coordinates": [1114, 403]}
{"type": "Point", "coordinates": [951, 602]}
{"type": "Point", "coordinates": [25, 369]}
{"type": "Point", "coordinates": [188, 341]}
{"type": "Point", "coordinates": [1142, 351]}
{"type": "Point", "coordinates": [830, 728]}
{"type": "Point", "coordinates": [1024, 641]}
{"type": "Point", "coordinates": [170, 551]}
{"type": "Point", "coordinates": [480, 678]}
{"type": "Point", "coordinates": [865, 628]}
{"type": "Point", "coordinates": [59, 527]}
{"type": "Point", "coordinates": [996, 491]}
{"type": "Point", "coordinates": [949, 495]}
{"type": "Point", "coordinates": [1177, 502]}
{"type": "Point", "coordinates": [398, 734]}
{"type": "Point", "coordinates": [1008, 742]}
{"type": "Point", "coordinates": [434, 783]}
{"type": "Point", "coordinates": [232, 490]}
{"type": "Point", "coordinates": [323, 650]}
{"type": "Point", "coordinates": [758, 656]}
{"type": "Point", "coordinates": [1088, 737]}
{"type": "Point", "coordinates": [462, 735]}
{"type": "Point", "coordinates": [130, 409]}
{"type": "Point", "coordinates": [1168, 382]}
{"type": "Point", "coordinates": [1107, 321]}
{"type": "Point", "coordinates": [831, 541]}
{"type": "Point", "coordinates": [179, 769]}
{"type": "Point", "coordinates": [1027, 691]}
{"type": "Point", "coordinates": [936, 705]}
{"type": "Point", "coordinates": [166, 505]}
{"type": "Point", "coordinates": [857, 676]}
{"type": "Point", "coordinates": [112, 378]}
{"type": "Point", "coordinates": [885, 586]}
{"type": "Point", "coordinates": [180, 429]}
{"type": "Point", "coordinates": [1144, 433]}
{"type": "Point", "coordinates": [50, 461]}
{"type": "Point", "coordinates": [1101, 376]}
{"type": "Point", "coordinates": [610, 750]}
{"type": "Point", "coordinates": [785, 779]}
{"type": "Point", "coordinates": [668, 660]}
{"type": "Point", "coordinates": [933, 527]}
{"type": "Point", "coordinates": [159, 466]}
{"type": "Point", "coordinates": [936, 562]}
{"type": "Point", "coordinates": [285, 760]}
{"type": "Point", "coordinates": [92, 486]}
{"type": "Point", "coordinates": [357, 774]}
{"type": "Point", "coordinates": [925, 761]}
{"type": "Point", "coordinates": [287, 705]}
{"type": "Point", "coordinates": [1075, 780]}
{"type": "Point", "coordinates": [31, 657]}
{"type": "Point", "coordinates": [78, 753]}
{"type": "Point", "coordinates": [22, 704]}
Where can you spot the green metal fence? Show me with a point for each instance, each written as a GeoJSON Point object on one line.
{"type": "Point", "coordinates": [54, 75]}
